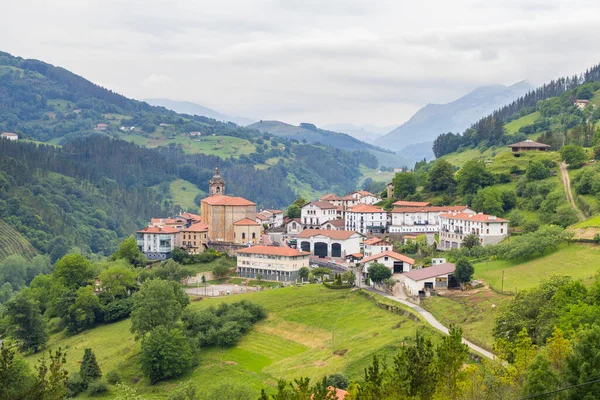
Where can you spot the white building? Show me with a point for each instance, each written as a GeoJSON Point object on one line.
{"type": "Point", "coordinates": [418, 281]}
{"type": "Point", "coordinates": [293, 227]}
{"type": "Point", "coordinates": [376, 245]}
{"type": "Point", "coordinates": [314, 214]}
{"type": "Point", "coordinates": [275, 218]}
{"type": "Point", "coordinates": [403, 203]}
{"type": "Point", "coordinates": [329, 244]}
{"type": "Point", "coordinates": [453, 228]}
{"type": "Point", "coordinates": [9, 136]}
{"type": "Point", "coordinates": [421, 219]}
{"type": "Point", "coordinates": [365, 197]}
{"type": "Point", "coordinates": [334, 225]}
{"type": "Point", "coordinates": [157, 242]}
{"type": "Point", "coordinates": [396, 262]}
{"type": "Point", "coordinates": [366, 219]}
{"type": "Point", "coordinates": [271, 262]}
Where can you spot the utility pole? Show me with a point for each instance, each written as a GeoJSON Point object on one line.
{"type": "Point", "coordinates": [502, 281]}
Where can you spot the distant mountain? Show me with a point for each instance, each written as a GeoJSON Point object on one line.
{"type": "Point", "coordinates": [366, 133]}
{"type": "Point", "coordinates": [186, 107]}
{"type": "Point", "coordinates": [456, 116]}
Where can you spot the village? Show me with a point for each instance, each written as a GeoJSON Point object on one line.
{"type": "Point", "coordinates": [337, 232]}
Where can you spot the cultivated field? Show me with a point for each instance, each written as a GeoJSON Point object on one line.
{"type": "Point", "coordinates": [12, 242]}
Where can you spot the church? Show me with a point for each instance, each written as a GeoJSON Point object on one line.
{"type": "Point", "coordinates": [229, 219]}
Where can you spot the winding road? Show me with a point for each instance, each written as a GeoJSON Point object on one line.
{"type": "Point", "coordinates": [567, 184]}
{"type": "Point", "coordinates": [431, 320]}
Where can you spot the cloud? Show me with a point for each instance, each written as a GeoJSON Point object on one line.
{"type": "Point", "coordinates": [156, 80]}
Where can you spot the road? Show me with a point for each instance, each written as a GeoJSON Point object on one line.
{"type": "Point", "coordinates": [431, 321]}
{"type": "Point", "coordinates": [567, 184]}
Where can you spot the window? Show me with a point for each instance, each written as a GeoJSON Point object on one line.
{"type": "Point", "coordinates": [501, 230]}
{"type": "Point", "coordinates": [243, 235]}
{"type": "Point", "coordinates": [253, 235]}
{"type": "Point", "coordinates": [487, 231]}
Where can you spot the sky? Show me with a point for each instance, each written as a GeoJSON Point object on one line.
{"type": "Point", "coordinates": [320, 61]}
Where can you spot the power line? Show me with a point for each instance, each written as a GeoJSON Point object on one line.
{"type": "Point", "coordinates": [561, 389]}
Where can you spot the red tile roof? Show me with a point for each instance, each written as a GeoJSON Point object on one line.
{"type": "Point", "coordinates": [323, 205]}
{"type": "Point", "coordinates": [366, 208]}
{"type": "Point", "coordinates": [337, 235]}
{"type": "Point", "coordinates": [364, 193]}
{"type": "Point", "coordinates": [273, 251]}
{"type": "Point", "coordinates": [9, 134]}
{"type": "Point", "coordinates": [429, 209]}
{"type": "Point", "coordinates": [222, 200]}
{"type": "Point", "coordinates": [330, 197]}
{"type": "Point", "coordinates": [430, 272]}
{"type": "Point", "coordinates": [158, 229]}
{"type": "Point", "coordinates": [246, 222]}
{"type": "Point", "coordinates": [197, 227]}
{"type": "Point", "coordinates": [473, 217]}
{"type": "Point", "coordinates": [338, 223]}
{"type": "Point", "coordinates": [262, 217]}
{"type": "Point", "coordinates": [391, 254]}
{"type": "Point", "coordinates": [402, 203]}
{"type": "Point", "coordinates": [190, 216]}
{"type": "Point", "coordinates": [376, 240]}
{"type": "Point", "coordinates": [274, 211]}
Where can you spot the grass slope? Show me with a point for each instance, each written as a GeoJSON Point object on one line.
{"type": "Point", "coordinates": [580, 261]}
{"type": "Point", "coordinates": [514, 126]}
{"type": "Point", "coordinates": [12, 242]}
{"type": "Point", "coordinates": [295, 340]}
{"type": "Point", "coordinates": [375, 174]}
{"type": "Point", "coordinates": [184, 193]}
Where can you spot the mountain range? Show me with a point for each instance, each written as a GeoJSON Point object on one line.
{"type": "Point", "coordinates": [187, 107]}
{"type": "Point", "coordinates": [433, 119]}
{"type": "Point", "coordinates": [367, 133]}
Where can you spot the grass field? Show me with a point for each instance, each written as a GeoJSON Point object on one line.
{"type": "Point", "coordinates": [295, 340]}
{"type": "Point", "coordinates": [184, 193]}
{"type": "Point", "coordinates": [12, 242]}
{"type": "Point", "coordinates": [375, 174]}
{"type": "Point", "coordinates": [514, 126]}
{"type": "Point", "coordinates": [593, 222]}
{"type": "Point", "coordinates": [459, 159]}
{"type": "Point", "coordinates": [222, 146]}
{"type": "Point", "coordinates": [580, 261]}
{"type": "Point", "coordinates": [474, 311]}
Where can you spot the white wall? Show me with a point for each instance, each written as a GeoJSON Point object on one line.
{"type": "Point", "coordinates": [353, 221]}
{"type": "Point", "coordinates": [312, 215]}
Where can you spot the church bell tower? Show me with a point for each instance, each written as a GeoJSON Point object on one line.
{"type": "Point", "coordinates": [216, 184]}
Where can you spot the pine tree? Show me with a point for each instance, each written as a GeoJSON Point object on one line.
{"type": "Point", "coordinates": [89, 370]}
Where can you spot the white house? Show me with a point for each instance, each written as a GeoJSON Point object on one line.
{"type": "Point", "coordinates": [418, 281]}
{"type": "Point", "coordinates": [334, 225]}
{"type": "Point", "coordinates": [329, 244]}
{"type": "Point", "coordinates": [9, 136]}
{"type": "Point", "coordinates": [157, 242]}
{"type": "Point", "coordinates": [273, 263]}
{"type": "Point", "coordinates": [421, 219]}
{"type": "Point", "coordinates": [316, 213]}
{"type": "Point", "coordinates": [275, 218]}
{"type": "Point", "coordinates": [293, 227]}
{"type": "Point", "coordinates": [365, 219]}
{"type": "Point", "coordinates": [581, 104]}
{"type": "Point", "coordinates": [397, 262]}
{"type": "Point", "coordinates": [375, 246]}
{"type": "Point", "coordinates": [365, 197]}
{"type": "Point", "coordinates": [453, 228]}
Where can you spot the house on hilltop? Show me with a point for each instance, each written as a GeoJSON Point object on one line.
{"type": "Point", "coordinates": [581, 104]}
{"type": "Point", "coordinates": [9, 136]}
{"type": "Point", "coordinates": [455, 226]}
{"type": "Point", "coordinates": [528, 145]}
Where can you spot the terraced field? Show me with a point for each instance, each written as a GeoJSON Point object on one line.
{"type": "Point", "coordinates": [12, 242]}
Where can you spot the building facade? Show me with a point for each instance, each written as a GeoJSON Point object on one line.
{"type": "Point", "coordinates": [366, 219]}
{"type": "Point", "coordinates": [396, 262]}
{"type": "Point", "coordinates": [247, 231]}
{"type": "Point", "coordinates": [271, 263]}
{"type": "Point", "coordinates": [454, 227]}
{"type": "Point", "coordinates": [194, 238]}
{"type": "Point", "coordinates": [329, 244]}
{"type": "Point", "coordinates": [437, 277]}
{"type": "Point", "coordinates": [316, 213]}
{"type": "Point", "coordinates": [157, 242]}
{"type": "Point", "coordinates": [375, 246]}
{"type": "Point", "coordinates": [9, 136]}
{"type": "Point", "coordinates": [421, 220]}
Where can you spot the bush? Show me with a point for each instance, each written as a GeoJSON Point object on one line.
{"type": "Point", "coordinates": [118, 309]}
{"type": "Point", "coordinates": [97, 387]}
{"type": "Point", "coordinates": [75, 384]}
{"type": "Point", "coordinates": [338, 381]}
{"type": "Point", "coordinates": [166, 353]}
{"type": "Point", "coordinates": [113, 377]}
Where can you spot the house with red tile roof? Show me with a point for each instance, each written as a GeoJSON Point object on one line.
{"type": "Point", "coordinates": [376, 245]}
{"type": "Point", "coordinates": [326, 243]}
{"type": "Point", "coordinates": [9, 136]}
{"type": "Point", "coordinates": [316, 213]}
{"type": "Point", "coordinates": [421, 220]}
{"type": "Point", "coordinates": [366, 219]}
{"type": "Point", "coordinates": [334, 225]}
{"type": "Point", "coordinates": [273, 263]}
{"type": "Point", "coordinates": [396, 262]}
{"type": "Point", "coordinates": [157, 242]}
{"type": "Point", "coordinates": [194, 238]}
{"type": "Point", "coordinates": [419, 282]}
{"type": "Point", "coordinates": [454, 226]}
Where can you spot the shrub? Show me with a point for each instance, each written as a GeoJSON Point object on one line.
{"type": "Point", "coordinates": [338, 381]}
{"type": "Point", "coordinates": [166, 353]}
{"type": "Point", "coordinates": [97, 387]}
{"type": "Point", "coordinates": [113, 377]}
{"type": "Point", "coordinates": [75, 384]}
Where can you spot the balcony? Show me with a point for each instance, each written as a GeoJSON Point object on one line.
{"type": "Point", "coordinates": [164, 249]}
{"type": "Point", "coordinates": [421, 223]}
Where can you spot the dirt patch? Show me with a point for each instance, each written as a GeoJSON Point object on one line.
{"type": "Point", "coordinates": [230, 363]}
{"type": "Point", "coordinates": [585, 233]}
{"type": "Point", "coordinates": [398, 325]}
{"type": "Point", "coordinates": [376, 334]}
{"type": "Point", "coordinates": [341, 352]}
{"type": "Point", "coordinates": [320, 363]}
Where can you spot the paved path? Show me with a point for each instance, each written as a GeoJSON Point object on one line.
{"type": "Point", "coordinates": [432, 321]}
{"type": "Point", "coordinates": [567, 184]}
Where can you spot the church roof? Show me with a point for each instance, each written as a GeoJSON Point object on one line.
{"type": "Point", "coordinates": [246, 222]}
{"type": "Point", "coordinates": [223, 200]}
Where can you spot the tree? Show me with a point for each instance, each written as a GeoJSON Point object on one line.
{"type": "Point", "coordinates": [15, 376]}
{"type": "Point", "coordinates": [473, 176]}
{"type": "Point", "coordinates": [415, 368]}
{"type": "Point", "coordinates": [303, 273]}
{"type": "Point", "coordinates": [170, 270]}
{"type": "Point", "coordinates": [85, 310]}
{"type": "Point", "coordinates": [452, 353]}
{"type": "Point", "coordinates": [128, 250]}
{"type": "Point", "coordinates": [338, 381]}
{"type": "Point", "coordinates": [51, 380]}
{"type": "Point", "coordinates": [13, 269]}
{"type": "Point", "coordinates": [179, 255]}
{"type": "Point", "coordinates": [379, 273]}
{"type": "Point", "coordinates": [536, 171]}
{"type": "Point", "coordinates": [441, 177]}
{"type": "Point", "coordinates": [294, 211]}
{"type": "Point", "coordinates": [118, 280]}
{"type": "Point", "coordinates": [583, 365]}
{"type": "Point", "coordinates": [471, 240]}
{"type": "Point", "coordinates": [405, 184]}
{"type": "Point", "coordinates": [489, 201]}
{"type": "Point", "coordinates": [74, 270]}
{"type": "Point", "coordinates": [573, 155]}
{"type": "Point", "coordinates": [220, 270]}
{"type": "Point", "coordinates": [166, 353]}
{"type": "Point", "coordinates": [349, 276]}
{"type": "Point", "coordinates": [157, 303]}
{"type": "Point", "coordinates": [89, 369]}
{"type": "Point", "coordinates": [25, 322]}
{"type": "Point", "coordinates": [464, 271]}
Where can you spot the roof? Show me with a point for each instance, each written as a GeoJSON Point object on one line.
{"type": "Point", "coordinates": [582, 101]}
{"type": "Point", "coordinates": [429, 209]}
{"type": "Point", "coordinates": [223, 200]}
{"type": "Point", "coordinates": [338, 223]}
{"type": "Point", "coordinates": [364, 193]}
{"type": "Point", "coordinates": [391, 254]}
{"type": "Point", "coordinates": [430, 272]}
{"type": "Point", "coordinates": [9, 134]}
{"type": "Point", "coordinates": [329, 197]}
{"type": "Point", "coordinates": [197, 227]}
{"type": "Point", "coordinates": [273, 251]}
{"type": "Point", "coordinates": [190, 216]}
{"type": "Point", "coordinates": [337, 235]}
{"type": "Point", "coordinates": [375, 240]}
{"type": "Point", "coordinates": [261, 216]}
{"type": "Point", "coordinates": [356, 255]}
{"type": "Point", "coordinates": [474, 217]}
{"type": "Point", "coordinates": [274, 211]}
{"type": "Point", "coordinates": [528, 143]}
{"type": "Point", "coordinates": [158, 229]}
{"type": "Point", "coordinates": [246, 222]}
{"type": "Point", "coordinates": [402, 203]}
{"type": "Point", "coordinates": [324, 205]}
{"type": "Point", "coordinates": [298, 220]}
{"type": "Point", "coordinates": [366, 208]}
{"type": "Point", "coordinates": [168, 220]}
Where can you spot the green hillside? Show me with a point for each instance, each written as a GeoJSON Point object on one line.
{"type": "Point", "coordinates": [13, 243]}
{"type": "Point", "coordinates": [295, 340]}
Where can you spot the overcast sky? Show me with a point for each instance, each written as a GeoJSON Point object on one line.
{"type": "Point", "coordinates": [321, 61]}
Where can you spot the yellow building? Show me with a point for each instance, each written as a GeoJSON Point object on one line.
{"type": "Point", "coordinates": [247, 231]}
{"type": "Point", "coordinates": [194, 238]}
